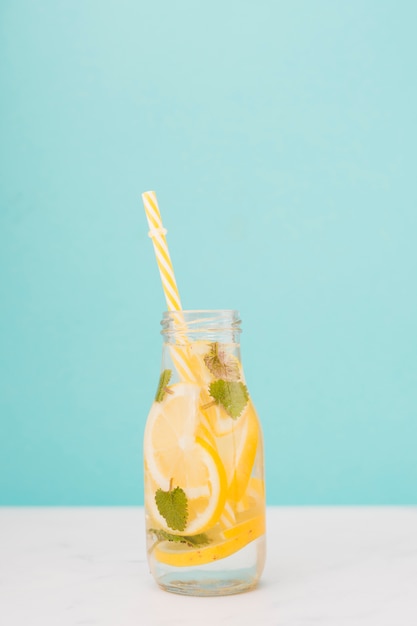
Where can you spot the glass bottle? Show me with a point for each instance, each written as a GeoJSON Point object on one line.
{"type": "Point", "coordinates": [204, 464]}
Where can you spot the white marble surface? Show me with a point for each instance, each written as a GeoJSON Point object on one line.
{"type": "Point", "coordinates": [336, 566]}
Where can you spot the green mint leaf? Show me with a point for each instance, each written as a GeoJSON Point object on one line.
{"type": "Point", "coordinates": [191, 540]}
{"type": "Point", "coordinates": [221, 364]}
{"type": "Point", "coordinates": [162, 385]}
{"type": "Point", "coordinates": [173, 506]}
{"type": "Point", "coordinates": [233, 396]}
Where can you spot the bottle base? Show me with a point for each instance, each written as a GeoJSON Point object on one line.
{"type": "Point", "coordinates": [233, 575]}
{"type": "Point", "coordinates": [214, 587]}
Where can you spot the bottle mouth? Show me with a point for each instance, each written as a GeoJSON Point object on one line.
{"type": "Point", "coordinates": [202, 312]}
{"type": "Point", "coordinates": [200, 323]}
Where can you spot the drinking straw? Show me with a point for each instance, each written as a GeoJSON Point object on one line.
{"type": "Point", "coordinates": [157, 233]}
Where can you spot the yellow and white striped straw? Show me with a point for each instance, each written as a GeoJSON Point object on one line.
{"type": "Point", "coordinates": [179, 356]}
{"type": "Point", "coordinates": [157, 233]}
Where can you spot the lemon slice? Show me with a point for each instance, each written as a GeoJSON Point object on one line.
{"type": "Point", "coordinates": [178, 454]}
{"type": "Point", "coordinates": [253, 500]}
{"type": "Point", "coordinates": [253, 525]}
{"type": "Point", "coordinates": [238, 451]}
{"type": "Point", "coordinates": [217, 420]}
{"type": "Point", "coordinates": [239, 536]}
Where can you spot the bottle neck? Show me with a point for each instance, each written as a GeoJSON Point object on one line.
{"type": "Point", "coordinates": [182, 327]}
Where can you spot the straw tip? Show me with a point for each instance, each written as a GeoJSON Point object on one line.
{"type": "Point", "coordinates": [148, 193]}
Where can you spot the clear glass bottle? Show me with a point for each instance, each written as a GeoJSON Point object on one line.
{"type": "Point", "coordinates": [204, 464]}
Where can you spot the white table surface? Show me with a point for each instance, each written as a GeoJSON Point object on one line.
{"type": "Point", "coordinates": [336, 566]}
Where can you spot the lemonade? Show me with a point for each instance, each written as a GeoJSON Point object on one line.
{"type": "Point", "coordinates": [203, 454]}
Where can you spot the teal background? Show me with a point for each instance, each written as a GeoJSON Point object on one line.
{"type": "Point", "coordinates": [281, 140]}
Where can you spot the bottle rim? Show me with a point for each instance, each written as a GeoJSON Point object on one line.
{"type": "Point", "coordinates": [185, 321]}
{"type": "Point", "coordinates": [179, 311]}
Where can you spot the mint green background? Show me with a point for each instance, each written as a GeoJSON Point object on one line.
{"type": "Point", "coordinates": [281, 140]}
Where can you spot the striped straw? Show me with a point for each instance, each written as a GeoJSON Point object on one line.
{"type": "Point", "coordinates": [157, 233]}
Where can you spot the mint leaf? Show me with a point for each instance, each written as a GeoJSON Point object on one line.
{"type": "Point", "coordinates": [231, 395]}
{"type": "Point", "coordinates": [162, 385]}
{"type": "Point", "coordinates": [221, 364]}
{"type": "Point", "coordinates": [191, 540]}
{"type": "Point", "coordinates": [173, 506]}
